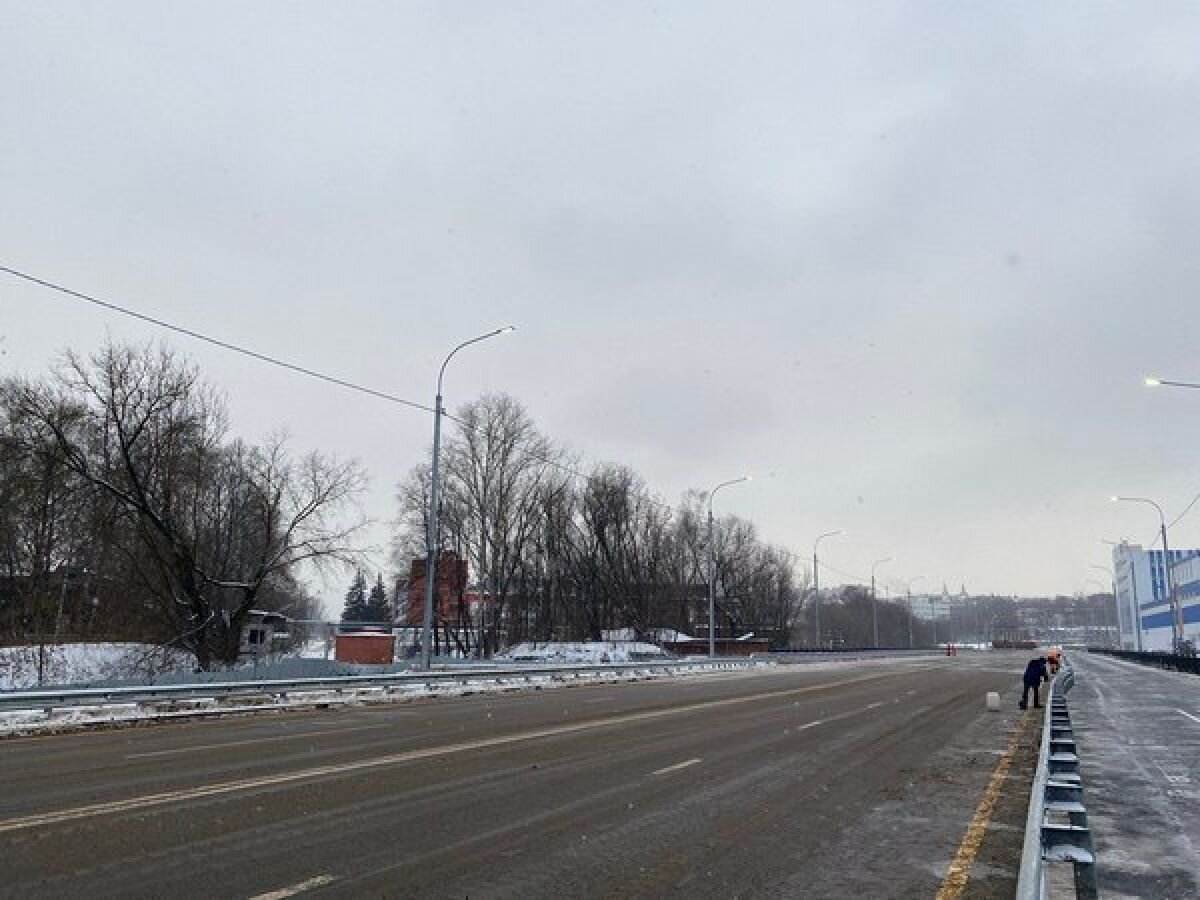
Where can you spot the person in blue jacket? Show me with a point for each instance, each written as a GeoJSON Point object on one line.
{"type": "Point", "coordinates": [1034, 673]}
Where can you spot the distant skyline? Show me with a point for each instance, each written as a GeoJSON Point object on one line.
{"type": "Point", "coordinates": [906, 264]}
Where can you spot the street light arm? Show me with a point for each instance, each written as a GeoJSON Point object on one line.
{"type": "Point", "coordinates": [474, 340]}
{"type": "Point", "coordinates": [1151, 381]}
{"type": "Point", "coordinates": [822, 537]}
{"type": "Point", "coordinates": [723, 484]}
{"type": "Point", "coordinates": [1161, 516]}
{"type": "Point", "coordinates": [879, 562]}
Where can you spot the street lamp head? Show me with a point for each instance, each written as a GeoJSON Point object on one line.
{"type": "Point", "coordinates": [1151, 381]}
{"type": "Point", "coordinates": [1113, 499]}
{"type": "Point", "coordinates": [506, 329]}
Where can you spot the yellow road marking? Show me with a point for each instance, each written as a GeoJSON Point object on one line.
{"type": "Point", "coordinates": [959, 871]}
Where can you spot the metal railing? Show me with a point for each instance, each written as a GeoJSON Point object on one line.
{"type": "Point", "coordinates": [1175, 662]}
{"type": "Point", "coordinates": [1056, 829]}
{"type": "Point", "coordinates": [277, 690]}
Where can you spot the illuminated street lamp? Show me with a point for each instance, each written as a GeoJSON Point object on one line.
{"type": "Point", "coordinates": [431, 534]}
{"type": "Point", "coordinates": [712, 585]}
{"type": "Point", "coordinates": [1151, 381]}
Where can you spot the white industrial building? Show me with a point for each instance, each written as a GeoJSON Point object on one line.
{"type": "Point", "coordinates": [1144, 614]}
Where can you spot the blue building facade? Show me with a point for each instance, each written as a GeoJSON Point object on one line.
{"type": "Point", "coordinates": [1144, 615]}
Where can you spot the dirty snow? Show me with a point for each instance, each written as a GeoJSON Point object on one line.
{"type": "Point", "coordinates": [582, 652]}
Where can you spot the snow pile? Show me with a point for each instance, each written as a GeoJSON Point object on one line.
{"type": "Point", "coordinates": [657, 634]}
{"type": "Point", "coordinates": [61, 664]}
{"type": "Point", "coordinates": [582, 652]}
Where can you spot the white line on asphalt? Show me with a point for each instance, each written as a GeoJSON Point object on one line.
{"type": "Point", "coordinates": [1189, 715]}
{"type": "Point", "coordinates": [262, 740]}
{"type": "Point", "coordinates": [314, 882]}
{"type": "Point", "coordinates": [332, 771]}
{"type": "Point", "coordinates": [676, 767]}
{"type": "Point", "coordinates": [600, 700]}
{"type": "Point", "coordinates": [808, 725]}
{"type": "Point", "coordinates": [873, 705]}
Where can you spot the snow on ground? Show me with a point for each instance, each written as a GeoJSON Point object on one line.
{"type": "Point", "coordinates": [60, 664]}
{"type": "Point", "coordinates": [582, 652]}
{"type": "Point", "coordinates": [658, 634]}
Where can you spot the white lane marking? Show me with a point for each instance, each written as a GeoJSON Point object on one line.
{"type": "Point", "coordinates": [1189, 715]}
{"type": "Point", "coordinates": [245, 784]}
{"type": "Point", "coordinates": [873, 705]}
{"type": "Point", "coordinates": [315, 882]}
{"type": "Point", "coordinates": [601, 700]}
{"type": "Point", "coordinates": [676, 767]}
{"type": "Point", "coordinates": [837, 718]}
{"type": "Point", "coordinates": [261, 740]}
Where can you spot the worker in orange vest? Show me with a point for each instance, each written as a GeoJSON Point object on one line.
{"type": "Point", "coordinates": [1052, 659]}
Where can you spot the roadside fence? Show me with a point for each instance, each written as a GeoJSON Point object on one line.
{"type": "Point", "coordinates": [1172, 661]}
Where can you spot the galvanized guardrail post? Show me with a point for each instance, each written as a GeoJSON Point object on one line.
{"type": "Point", "coordinates": [1056, 828]}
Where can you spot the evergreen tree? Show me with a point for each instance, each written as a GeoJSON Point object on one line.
{"type": "Point", "coordinates": [378, 609]}
{"type": "Point", "coordinates": [355, 609]}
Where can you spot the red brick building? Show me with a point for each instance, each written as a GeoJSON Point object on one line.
{"type": "Point", "coordinates": [449, 589]}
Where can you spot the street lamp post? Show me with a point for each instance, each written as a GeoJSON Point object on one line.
{"type": "Point", "coordinates": [1176, 610]}
{"type": "Point", "coordinates": [874, 606]}
{"type": "Point", "coordinates": [817, 585]}
{"type": "Point", "coordinates": [1112, 586]}
{"type": "Point", "coordinates": [908, 593]}
{"type": "Point", "coordinates": [1091, 612]}
{"type": "Point", "coordinates": [712, 557]}
{"type": "Point", "coordinates": [431, 534]}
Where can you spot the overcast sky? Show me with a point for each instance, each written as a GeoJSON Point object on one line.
{"type": "Point", "coordinates": [905, 262]}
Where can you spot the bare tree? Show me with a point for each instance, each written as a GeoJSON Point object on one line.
{"type": "Point", "coordinates": [210, 525]}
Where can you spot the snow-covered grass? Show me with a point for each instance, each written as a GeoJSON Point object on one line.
{"type": "Point", "coordinates": [61, 664]}
{"type": "Point", "coordinates": [582, 652]}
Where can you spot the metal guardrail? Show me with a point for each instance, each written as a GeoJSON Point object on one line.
{"type": "Point", "coordinates": [58, 698]}
{"type": "Point", "coordinates": [1056, 829]}
{"type": "Point", "coordinates": [1175, 662]}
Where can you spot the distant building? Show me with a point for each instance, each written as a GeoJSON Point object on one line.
{"type": "Point", "coordinates": [1187, 589]}
{"type": "Point", "coordinates": [449, 588]}
{"type": "Point", "coordinates": [929, 607]}
{"type": "Point", "coordinates": [1143, 604]}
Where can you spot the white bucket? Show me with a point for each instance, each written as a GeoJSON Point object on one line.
{"type": "Point", "coordinates": [993, 701]}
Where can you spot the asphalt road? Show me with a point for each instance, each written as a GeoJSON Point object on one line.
{"type": "Point", "coordinates": [1137, 730]}
{"type": "Point", "coordinates": [839, 780]}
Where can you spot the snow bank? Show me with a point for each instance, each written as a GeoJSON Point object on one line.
{"type": "Point", "coordinates": [582, 652]}
{"type": "Point", "coordinates": [61, 664]}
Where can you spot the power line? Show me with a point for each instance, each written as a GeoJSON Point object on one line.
{"type": "Point", "coordinates": [216, 342]}
{"type": "Point", "coordinates": [274, 361]}
{"type": "Point", "coordinates": [1187, 510]}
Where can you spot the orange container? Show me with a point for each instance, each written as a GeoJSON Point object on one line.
{"type": "Point", "coordinates": [364, 647]}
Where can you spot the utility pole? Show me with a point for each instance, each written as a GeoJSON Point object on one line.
{"type": "Point", "coordinates": [817, 585]}
{"type": "Point", "coordinates": [874, 604]}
